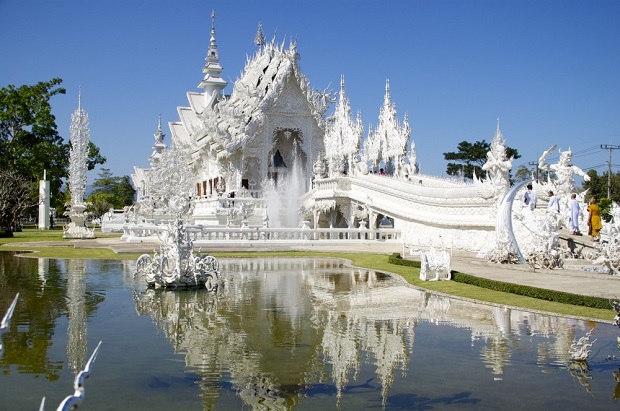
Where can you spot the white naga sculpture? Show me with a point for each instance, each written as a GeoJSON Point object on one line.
{"type": "Point", "coordinates": [580, 349]}
{"type": "Point", "coordinates": [78, 156]}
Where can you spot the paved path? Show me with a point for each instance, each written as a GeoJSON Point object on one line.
{"type": "Point", "coordinates": [570, 279]}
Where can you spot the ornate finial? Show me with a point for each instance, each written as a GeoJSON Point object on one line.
{"type": "Point", "coordinates": [259, 39]}
{"type": "Point", "coordinates": [213, 28]}
{"type": "Point", "coordinates": [79, 97]}
{"type": "Point", "coordinates": [341, 82]}
{"type": "Point", "coordinates": [159, 135]}
{"type": "Point", "coordinates": [498, 124]}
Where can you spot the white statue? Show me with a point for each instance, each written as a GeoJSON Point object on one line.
{"type": "Point", "coordinates": [435, 265]}
{"type": "Point", "coordinates": [564, 175]}
{"type": "Point", "coordinates": [498, 165]}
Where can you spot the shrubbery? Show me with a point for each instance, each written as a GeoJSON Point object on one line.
{"type": "Point", "coordinates": [527, 291]}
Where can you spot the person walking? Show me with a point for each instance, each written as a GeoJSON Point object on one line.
{"type": "Point", "coordinates": [594, 220]}
{"type": "Point", "coordinates": [554, 204]}
{"type": "Point", "coordinates": [573, 216]}
{"type": "Point", "coordinates": [529, 198]}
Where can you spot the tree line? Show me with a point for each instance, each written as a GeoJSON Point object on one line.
{"type": "Point", "coordinates": [29, 144]}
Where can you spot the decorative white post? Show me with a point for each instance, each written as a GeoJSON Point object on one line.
{"type": "Point", "coordinates": [44, 203]}
{"type": "Point", "coordinates": [80, 137]}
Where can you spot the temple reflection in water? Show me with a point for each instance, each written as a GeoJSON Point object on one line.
{"type": "Point", "coordinates": [280, 328]}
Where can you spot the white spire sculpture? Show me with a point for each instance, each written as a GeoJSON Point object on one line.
{"type": "Point", "coordinates": [259, 39]}
{"type": "Point", "coordinates": [390, 136]}
{"type": "Point", "coordinates": [342, 136]}
{"type": "Point", "coordinates": [78, 155]}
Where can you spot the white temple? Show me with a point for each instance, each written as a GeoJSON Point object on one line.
{"type": "Point", "coordinates": [268, 155]}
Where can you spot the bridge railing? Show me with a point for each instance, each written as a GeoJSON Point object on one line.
{"type": "Point", "coordinates": [209, 235]}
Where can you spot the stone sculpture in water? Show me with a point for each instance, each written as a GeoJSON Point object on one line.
{"type": "Point", "coordinates": [176, 264]}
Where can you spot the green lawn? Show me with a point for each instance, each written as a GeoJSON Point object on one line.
{"type": "Point", "coordinates": [377, 262]}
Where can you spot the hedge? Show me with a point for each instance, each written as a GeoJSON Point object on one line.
{"type": "Point", "coordinates": [539, 293]}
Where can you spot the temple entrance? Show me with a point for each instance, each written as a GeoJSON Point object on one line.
{"type": "Point", "coordinates": [286, 154]}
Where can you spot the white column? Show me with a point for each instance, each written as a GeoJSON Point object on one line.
{"type": "Point", "coordinates": [44, 203]}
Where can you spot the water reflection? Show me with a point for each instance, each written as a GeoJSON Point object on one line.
{"type": "Point", "coordinates": [285, 333]}
{"type": "Point", "coordinates": [325, 322]}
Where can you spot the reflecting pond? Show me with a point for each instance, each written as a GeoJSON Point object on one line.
{"type": "Point", "coordinates": [285, 333]}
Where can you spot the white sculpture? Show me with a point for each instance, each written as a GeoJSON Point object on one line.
{"type": "Point", "coordinates": [170, 177]}
{"type": "Point", "coordinates": [498, 165]}
{"type": "Point", "coordinates": [4, 324]}
{"type": "Point", "coordinates": [564, 183]}
{"type": "Point", "coordinates": [78, 156]}
{"type": "Point", "coordinates": [176, 265]}
{"type": "Point", "coordinates": [435, 265]}
{"type": "Point", "coordinates": [73, 401]}
{"type": "Point", "coordinates": [580, 349]}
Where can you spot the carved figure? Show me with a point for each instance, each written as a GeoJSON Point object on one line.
{"type": "Point", "coordinates": [580, 349]}
{"type": "Point", "coordinates": [176, 265]}
{"type": "Point", "coordinates": [435, 265]}
{"type": "Point", "coordinates": [498, 166]}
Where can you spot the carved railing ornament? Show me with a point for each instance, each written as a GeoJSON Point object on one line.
{"type": "Point", "coordinates": [75, 400]}
{"type": "Point", "coordinates": [4, 324]}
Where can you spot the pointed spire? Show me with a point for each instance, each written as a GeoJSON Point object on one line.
{"type": "Point", "coordinates": [497, 131]}
{"type": "Point", "coordinates": [212, 83]}
{"type": "Point", "coordinates": [387, 91]}
{"type": "Point", "coordinates": [79, 97]}
{"type": "Point", "coordinates": [259, 39]}
{"type": "Point", "coordinates": [159, 147]}
{"type": "Point", "coordinates": [159, 135]}
{"type": "Point", "coordinates": [212, 57]}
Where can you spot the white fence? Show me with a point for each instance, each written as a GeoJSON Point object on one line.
{"type": "Point", "coordinates": [256, 236]}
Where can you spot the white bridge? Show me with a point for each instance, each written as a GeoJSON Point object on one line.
{"type": "Point", "coordinates": [427, 211]}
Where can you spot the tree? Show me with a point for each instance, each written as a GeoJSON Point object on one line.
{"type": "Point", "coordinates": [471, 157]}
{"type": "Point", "coordinates": [29, 139]}
{"type": "Point", "coordinates": [16, 197]}
{"type": "Point", "coordinates": [110, 192]}
{"type": "Point", "coordinates": [598, 187]}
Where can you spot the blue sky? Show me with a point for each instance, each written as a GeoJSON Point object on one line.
{"type": "Point", "coordinates": [550, 70]}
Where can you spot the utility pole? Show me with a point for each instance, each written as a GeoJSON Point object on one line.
{"type": "Point", "coordinates": [534, 163]}
{"type": "Point", "coordinates": [610, 148]}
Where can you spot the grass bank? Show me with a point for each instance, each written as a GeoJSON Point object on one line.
{"type": "Point", "coordinates": [51, 244]}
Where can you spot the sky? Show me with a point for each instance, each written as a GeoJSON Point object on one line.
{"type": "Point", "coordinates": [549, 70]}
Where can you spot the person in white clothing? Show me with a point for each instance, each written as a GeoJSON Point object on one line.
{"type": "Point", "coordinates": [529, 198]}
{"type": "Point", "coordinates": [554, 204]}
{"type": "Point", "coordinates": [573, 210]}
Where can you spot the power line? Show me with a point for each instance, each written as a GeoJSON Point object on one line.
{"type": "Point", "coordinates": [609, 147]}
